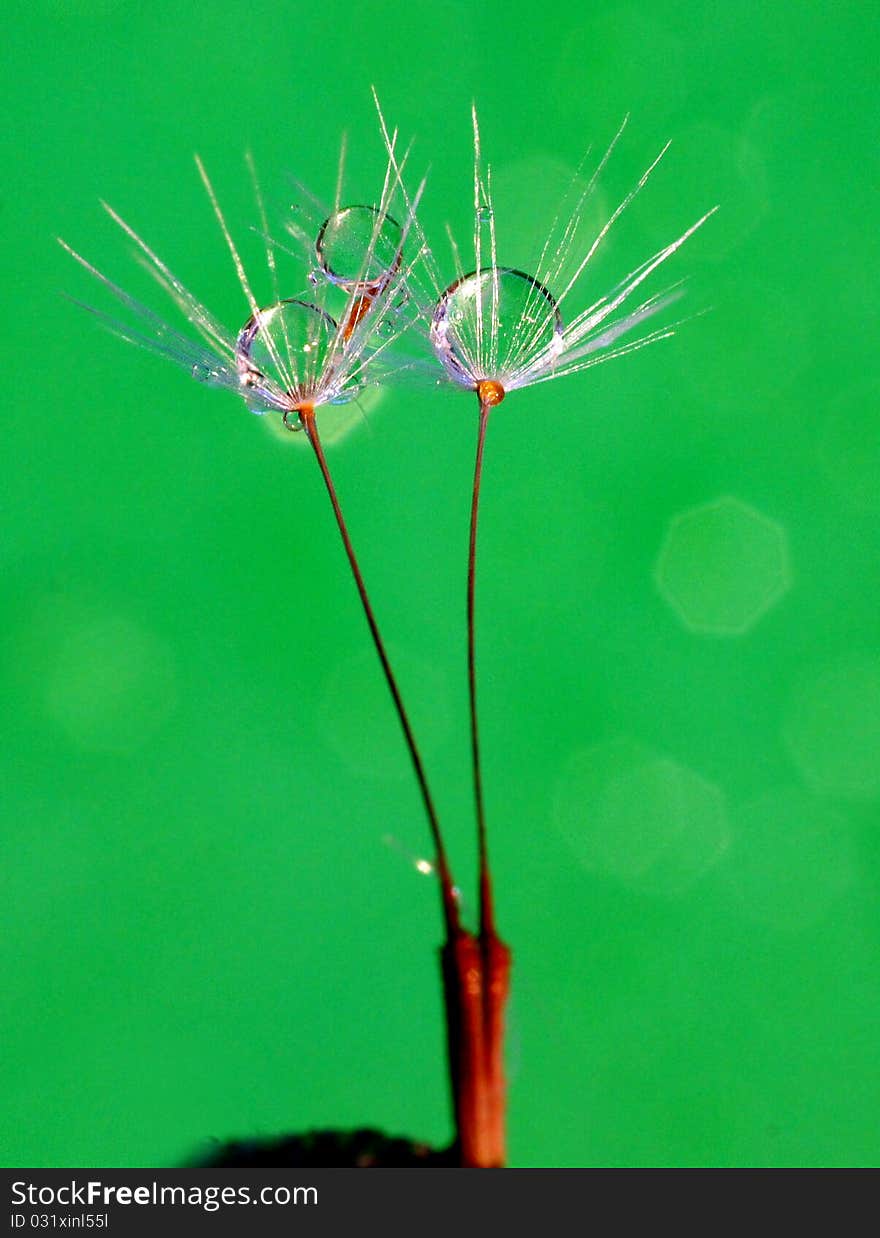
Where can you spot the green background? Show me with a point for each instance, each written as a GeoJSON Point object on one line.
{"type": "Point", "coordinates": [212, 923]}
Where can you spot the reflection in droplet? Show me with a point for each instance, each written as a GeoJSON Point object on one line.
{"type": "Point", "coordinates": [487, 323]}
{"type": "Point", "coordinates": [832, 727]}
{"type": "Point", "coordinates": [358, 247]}
{"type": "Point", "coordinates": [285, 347]}
{"type": "Point", "coordinates": [722, 566]}
{"type": "Point", "coordinates": [648, 821]}
{"type": "Point", "coordinates": [792, 859]}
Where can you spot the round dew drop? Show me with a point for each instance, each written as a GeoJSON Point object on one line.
{"type": "Point", "coordinates": [284, 348]}
{"type": "Point", "coordinates": [490, 323]}
{"type": "Point", "coordinates": [359, 247]}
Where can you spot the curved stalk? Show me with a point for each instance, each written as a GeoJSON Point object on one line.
{"type": "Point", "coordinates": [447, 893]}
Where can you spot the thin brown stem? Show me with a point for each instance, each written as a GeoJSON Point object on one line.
{"type": "Point", "coordinates": [447, 892]}
{"type": "Point", "coordinates": [476, 968]}
{"type": "Point", "coordinates": [487, 919]}
{"type": "Point", "coordinates": [484, 961]}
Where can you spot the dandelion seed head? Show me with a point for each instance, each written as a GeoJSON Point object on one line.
{"type": "Point", "coordinates": [486, 322]}
{"type": "Point", "coordinates": [287, 348]}
{"type": "Point", "coordinates": [295, 352]}
{"type": "Point", "coordinates": [503, 325]}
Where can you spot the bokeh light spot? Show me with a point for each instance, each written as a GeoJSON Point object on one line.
{"type": "Point", "coordinates": [832, 727]}
{"type": "Point", "coordinates": [109, 683]}
{"type": "Point", "coordinates": [637, 816]}
{"type": "Point", "coordinates": [722, 566]}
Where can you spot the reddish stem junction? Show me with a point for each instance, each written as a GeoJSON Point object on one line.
{"type": "Point", "coordinates": [475, 966]}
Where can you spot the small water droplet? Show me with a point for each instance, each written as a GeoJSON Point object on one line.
{"type": "Point", "coordinates": [485, 214]}
{"type": "Point", "coordinates": [203, 373]}
{"type": "Point", "coordinates": [313, 278]}
{"type": "Point", "coordinates": [359, 247]}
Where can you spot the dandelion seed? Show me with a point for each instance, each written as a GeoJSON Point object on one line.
{"type": "Point", "coordinates": [496, 329]}
{"type": "Point", "coordinates": [294, 357]}
{"type": "Point", "coordinates": [292, 352]}
{"type": "Point", "coordinates": [501, 325]}
{"type": "Point", "coordinates": [510, 298]}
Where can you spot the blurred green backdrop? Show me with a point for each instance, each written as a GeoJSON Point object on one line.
{"type": "Point", "coordinates": [212, 923]}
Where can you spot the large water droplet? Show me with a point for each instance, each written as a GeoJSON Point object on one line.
{"type": "Point", "coordinates": [285, 346]}
{"type": "Point", "coordinates": [359, 247]}
{"type": "Point", "coordinates": [490, 323]}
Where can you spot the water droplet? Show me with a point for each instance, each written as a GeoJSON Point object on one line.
{"type": "Point", "coordinates": [487, 324]}
{"type": "Point", "coordinates": [203, 373]}
{"type": "Point", "coordinates": [485, 214]}
{"type": "Point", "coordinates": [313, 278]}
{"type": "Point", "coordinates": [359, 247]}
{"type": "Point", "coordinates": [284, 348]}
